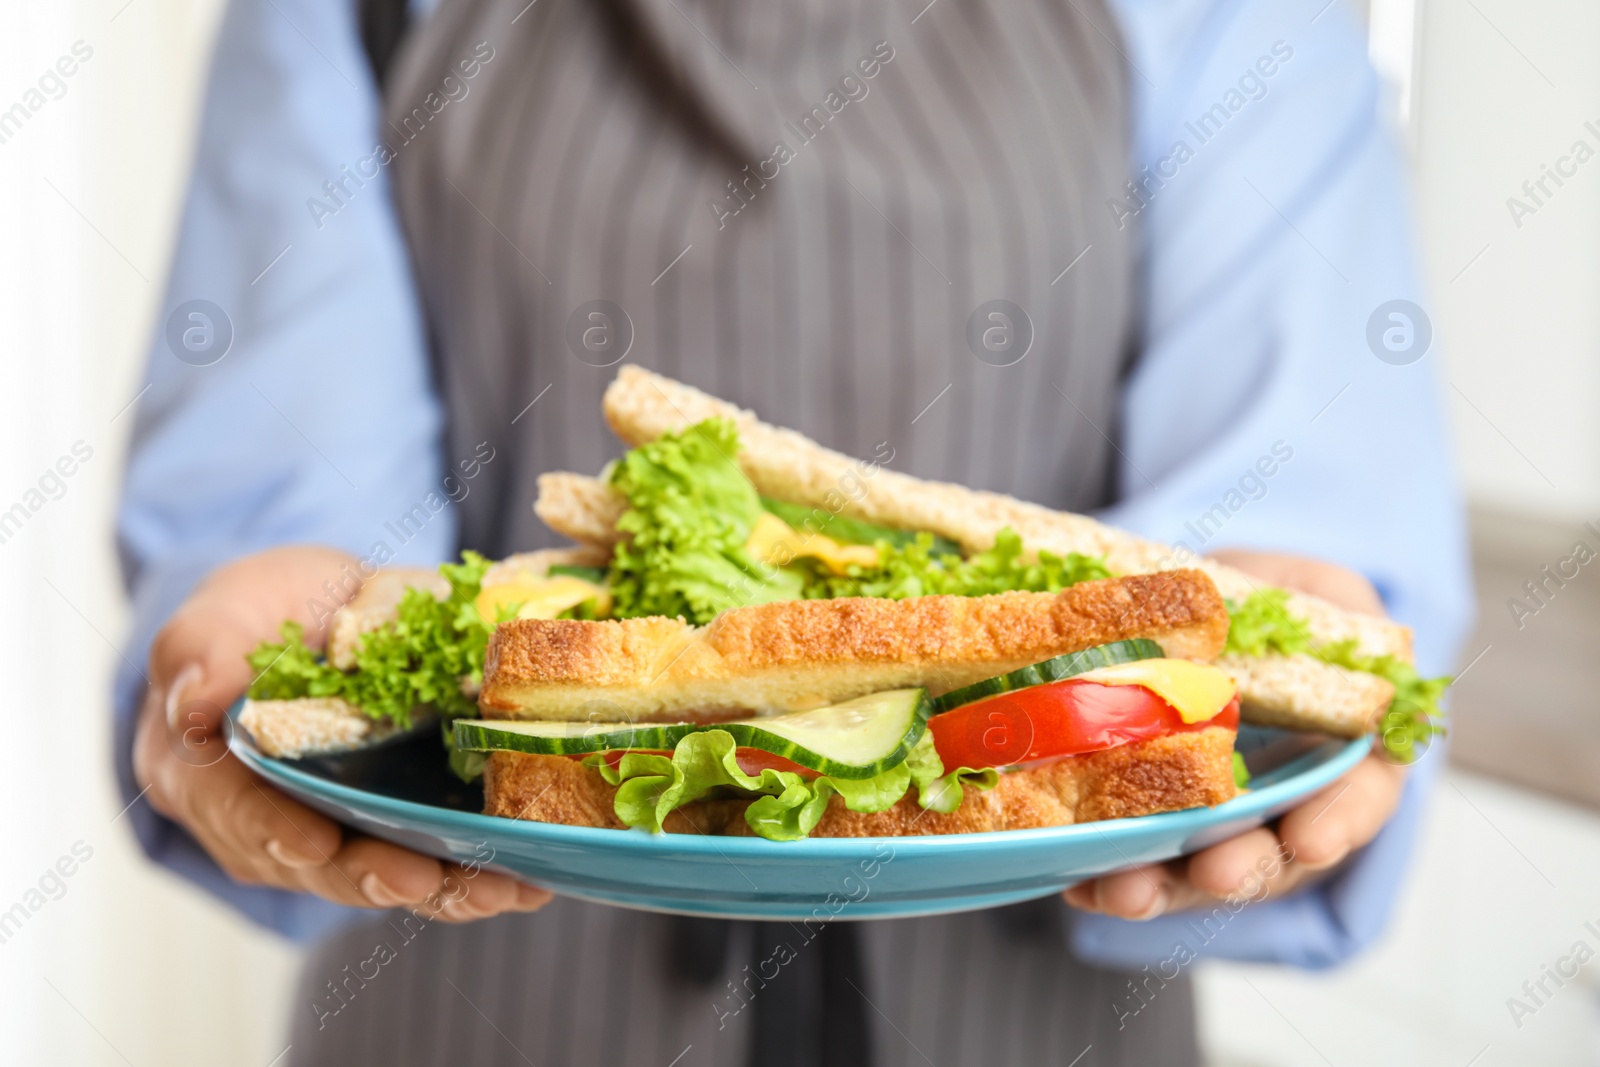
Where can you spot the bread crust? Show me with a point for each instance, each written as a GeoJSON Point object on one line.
{"type": "Point", "coordinates": [582, 508]}
{"type": "Point", "coordinates": [313, 726]}
{"type": "Point", "coordinates": [1170, 773]}
{"type": "Point", "coordinates": [791, 655]}
{"type": "Point", "coordinates": [1301, 692]}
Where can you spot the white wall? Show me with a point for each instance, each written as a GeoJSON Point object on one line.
{"type": "Point", "coordinates": [1505, 86]}
{"type": "Point", "coordinates": [128, 965]}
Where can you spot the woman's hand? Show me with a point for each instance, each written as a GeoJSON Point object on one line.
{"type": "Point", "coordinates": [257, 834]}
{"type": "Point", "coordinates": [1310, 839]}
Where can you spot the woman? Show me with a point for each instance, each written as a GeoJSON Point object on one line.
{"type": "Point", "coordinates": [1101, 259]}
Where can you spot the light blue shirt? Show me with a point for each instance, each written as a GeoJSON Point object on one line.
{"type": "Point", "coordinates": [1271, 207]}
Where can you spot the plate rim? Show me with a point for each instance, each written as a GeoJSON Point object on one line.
{"type": "Point", "coordinates": [1252, 804]}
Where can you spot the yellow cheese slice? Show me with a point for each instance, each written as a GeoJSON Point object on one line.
{"type": "Point", "coordinates": [1197, 690]}
{"type": "Point", "coordinates": [541, 598]}
{"type": "Point", "coordinates": [774, 542]}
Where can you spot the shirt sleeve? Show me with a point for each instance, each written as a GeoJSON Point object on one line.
{"type": "Point", "coordinates": [1272, 205]}
{"type": "Point", "coordinates": [287, 396]}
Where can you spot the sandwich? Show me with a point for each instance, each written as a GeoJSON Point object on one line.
{"type": "Point", "coordinates": [866, 716]}
{"type": "Point", "coordinates": [1301, 662]}
{"type": "Point", "coordinates": [753, 634]}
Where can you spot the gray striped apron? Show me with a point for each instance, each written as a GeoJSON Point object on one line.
{"type": "Point", "coordinates": [884, 226]}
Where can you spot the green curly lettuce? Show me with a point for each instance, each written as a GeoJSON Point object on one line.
{"type": "Point", "coordinates": [945, 793]}
{"type": "Point", "coordinates": [918, 569]}
{"type": "Point", "coordinates": [847, 529]}
{"type": "Point", "coordinates": [787, 805]}
{"type": "Point", "coordinates": [419, 659]}
{"type": "Point", "coordinates": [690, 512]}
{"type": "Point", "coordinates": [1261, 625]}
{"type": "Point", "coordinates": [1414, 717]}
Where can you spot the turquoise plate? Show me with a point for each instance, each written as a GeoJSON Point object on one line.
{"type": "Point", "coordinates": [402, 793]}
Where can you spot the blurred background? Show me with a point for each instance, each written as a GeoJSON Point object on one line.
{"type": "Point", "coordinates": [131, 965]}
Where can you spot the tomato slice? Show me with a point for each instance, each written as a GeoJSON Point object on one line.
{"type": "Point", "coordinates": [1066, 718]}
{"type": "Point", "coordinates": [752, 761]}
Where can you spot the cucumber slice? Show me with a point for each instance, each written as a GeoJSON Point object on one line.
{"type": "Point", "coordinates": [856, 739]}
{"type": "Point", "coordinates": [1051, 670]}
{"type": "Point", "coordinates": [566, 738]}
{"type": "Point", "coordinates": [849, 531]}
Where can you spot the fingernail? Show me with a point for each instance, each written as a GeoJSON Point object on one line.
{"type": "Point", "coordinates": [1332, 861]}
{"type": "Point", "coordinates": [289, 857]}
{"type": "Point", "coordinates": [532, 898]}
{"type": "Point", "coordinates": [466, 907]}
{"type": "Point", "coordinates": [1158, 905]}
{"type": "Point", "coordinates": [191, 675]}
{"type": "Point", "coordinates": [380, 894]}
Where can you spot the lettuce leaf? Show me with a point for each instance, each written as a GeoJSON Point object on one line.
{"type": "Point", "coordinates": [918, 569]}
{"type": "Point", "coordinates": [1414, 716]}
{"type": "Point", "coordinates": [1262, 625]}
{"type": "Point", "coordinates": [690, 512]}
{"type": "Point", "coordinates": [788, 805]}
{"type": "Point", "coordinates": [945, 793]}
{"type": "Point", "coordinates": [417, 660]}
{"type": "Point", "coordinates": [847, 529]}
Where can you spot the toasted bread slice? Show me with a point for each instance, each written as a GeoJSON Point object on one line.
{"type": "Point", "coordinates": [314, 726]}
{"type": "Point", "coordinates": [1295, 692]}
{"type": "Point", "coordinates": [790, 655]}
{"type": "Point", "coordinates": [641, 406]}
{"type": "Point", "coordinates": [582, 508]}
{"type": "Point", "coordinates": [1303, 693]}
{"type": "Point", "coordinates": [1187, 770]}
